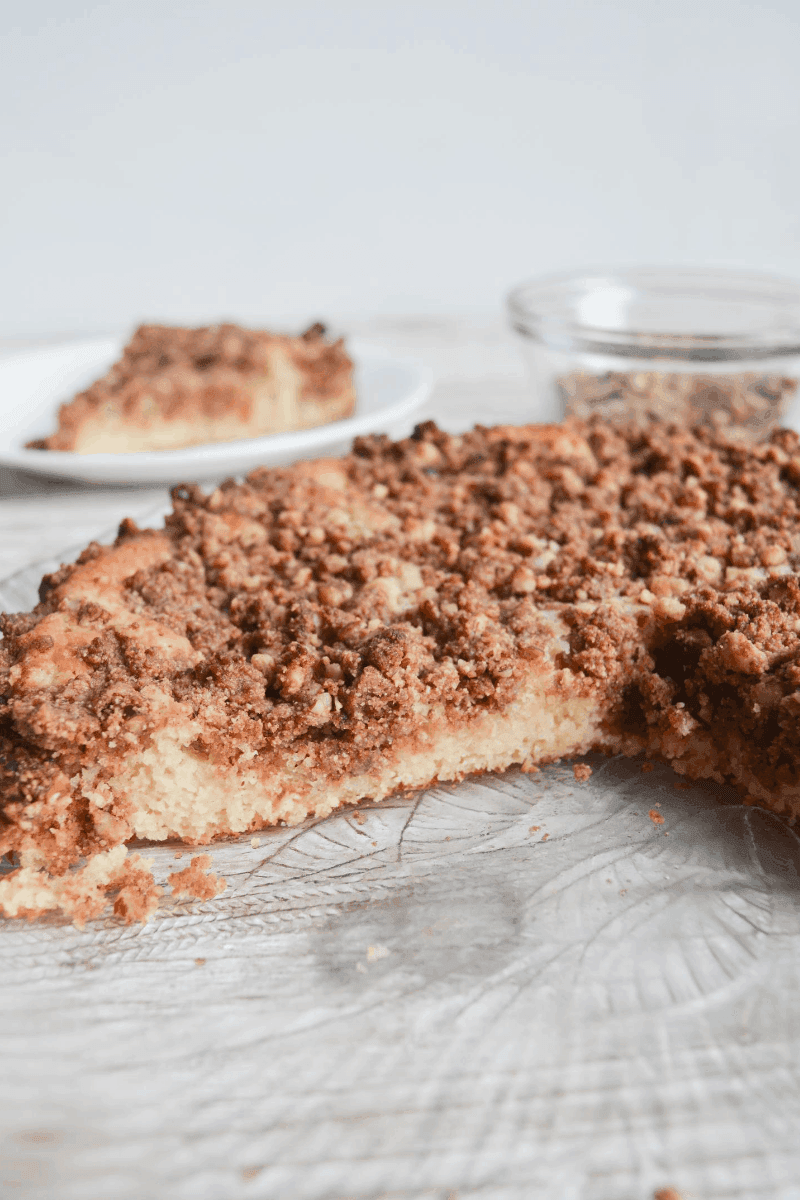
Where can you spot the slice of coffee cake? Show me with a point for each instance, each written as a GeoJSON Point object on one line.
{"type": "Point", "coordinates": [416, 611]}
{"type": "Point", "coordinates": [184, 387]}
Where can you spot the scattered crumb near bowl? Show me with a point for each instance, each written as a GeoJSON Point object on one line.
{"type": "Point", "coordinates": [255, 842]}
{"type": "Point", "coordinates": [655, 817]}
{"type": "Point", "coordinates": [582, 771]}
{"type": "Point", "coordinates": [376, 952]}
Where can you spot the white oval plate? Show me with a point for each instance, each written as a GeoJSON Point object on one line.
{"type": "Point", "coordinates": [32, 385]}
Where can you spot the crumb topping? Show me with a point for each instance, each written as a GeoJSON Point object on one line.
{"type": "Point", "coordinates": [320, 611]}
{"type": "Point", "coordinates": [170, 372]}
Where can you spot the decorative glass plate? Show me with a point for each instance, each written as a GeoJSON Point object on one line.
{"type": "Point", "coordinates": [512, 988]}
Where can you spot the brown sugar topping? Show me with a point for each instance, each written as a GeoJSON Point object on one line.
{"type": "Point", "coordinates": [315, 610]}
{"type": "Point", "coordinates": [200, 372]}
{"type": "Point", "coordinates": [435, 575]}
{"type": "Point", "coordinates": [742, 403]}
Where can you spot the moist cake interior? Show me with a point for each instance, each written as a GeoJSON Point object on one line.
{"type": "Point", "coordinates": [416, 611]}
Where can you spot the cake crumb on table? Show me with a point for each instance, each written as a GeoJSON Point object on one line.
{"type": "Point", "coordinates": [138, 895]}
{"type": "Point", "coordinates": [666, 1194]}
{"type": "Point", "coordinates": [255, 842]}
{"type": "Point", "coordinates": [655, 817]}
{"type": "Point", "coordinates": [193, 880]}
{"type": "Point", "coordinates": [582, 771]}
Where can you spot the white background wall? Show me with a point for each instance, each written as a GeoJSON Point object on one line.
{"type": "Point", "coordinates": [188, 159]}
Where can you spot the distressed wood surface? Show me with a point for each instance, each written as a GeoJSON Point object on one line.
{"type": "Point", "coordinates": [517, 987]}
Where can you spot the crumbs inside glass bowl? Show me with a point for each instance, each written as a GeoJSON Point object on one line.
{"type": "Point", "coordinates": [749, 402]}
{"type": "Point", "coordinates": [718, 348]}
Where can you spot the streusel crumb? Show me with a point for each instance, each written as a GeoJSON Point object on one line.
{"type": "Point", "coordinates": [332, 632]}
{"type": "Point", "coordinates": [180, 387]}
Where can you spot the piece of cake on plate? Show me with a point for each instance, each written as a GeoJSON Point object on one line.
{"type": "Point", "coordinates": [185, 387]}
{"type": "Point", "coordinates": [414, 612]}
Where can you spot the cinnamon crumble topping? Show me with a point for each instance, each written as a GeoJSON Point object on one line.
{"type": "Point", "coordinates": [182, 386]}
{"type": "Point", "coordinates": [743, 403]}
{"type": "Point", "coordinates": [314, 623]}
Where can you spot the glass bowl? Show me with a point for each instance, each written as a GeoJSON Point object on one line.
{"type": "Point", "coordinates": [714, 347]}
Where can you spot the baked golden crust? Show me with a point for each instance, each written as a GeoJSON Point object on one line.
{"type": "Point", "coordinates": [180, 387]}
{"type": "Point", "coordinates": [415, 611]}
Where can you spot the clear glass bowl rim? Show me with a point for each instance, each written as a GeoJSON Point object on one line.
{"type": "Point", "coordinates": [542, 310]}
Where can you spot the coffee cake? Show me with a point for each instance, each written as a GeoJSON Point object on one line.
{"type": "Point", "coordinates": [184, 387]}
{"type": "Point", "coordinates": [416, 611]}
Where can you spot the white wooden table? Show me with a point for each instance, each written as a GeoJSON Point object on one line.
{"type": "Point", "coordinates": [431, 1000]}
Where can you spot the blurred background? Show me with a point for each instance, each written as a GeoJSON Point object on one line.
{"type": "Point", "coordinates": [263, 161]}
